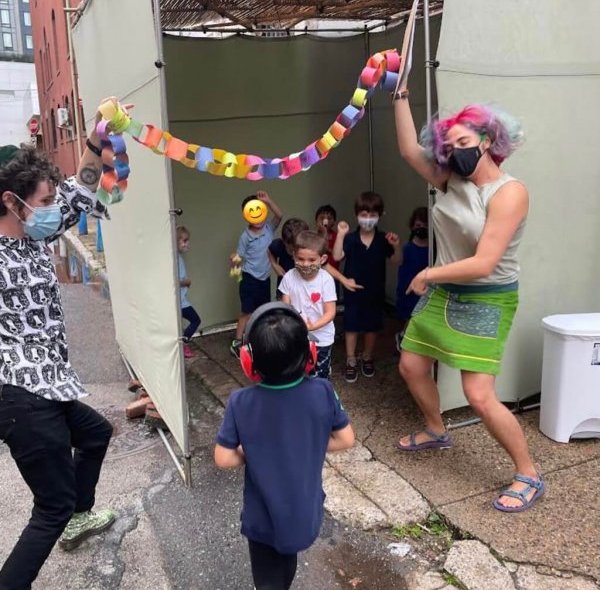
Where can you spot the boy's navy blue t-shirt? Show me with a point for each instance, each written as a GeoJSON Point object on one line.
{"type": "Point", "coordinates": [284, 433]}
{"type": "Point", "coordinates": [284, 259]}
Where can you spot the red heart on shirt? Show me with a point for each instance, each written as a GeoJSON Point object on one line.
{"type": "Point", "coordinates": [314, 297]}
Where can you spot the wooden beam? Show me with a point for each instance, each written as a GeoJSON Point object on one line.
{"type": "Point", "coordinates": [249, 13]}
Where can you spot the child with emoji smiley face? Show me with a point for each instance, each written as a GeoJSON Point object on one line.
{"type": "Point", "coordinates": [253, 245]}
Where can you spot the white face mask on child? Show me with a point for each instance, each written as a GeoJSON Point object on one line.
{"type": "Point", "coordinates": [368, 223]}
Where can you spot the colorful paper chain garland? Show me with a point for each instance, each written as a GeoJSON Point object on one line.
{"type": "Point", "coordinates": [382, 70]}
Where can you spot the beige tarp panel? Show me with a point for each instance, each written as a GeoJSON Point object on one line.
{"type": "Point", "coordinates": [539, 61]}
{"type": "Point", "coordinates": [138, 239]}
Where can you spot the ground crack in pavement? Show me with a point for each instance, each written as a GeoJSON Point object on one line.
{"type": "Point", "coordinates": [109, 566]}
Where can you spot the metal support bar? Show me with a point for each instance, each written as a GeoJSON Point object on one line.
{"type": "Point", "coordinates": [428, 106]}
{"type": "Point", "coordinates": [185, 469]}
{"type": "Point", "coordinates": [516, 410]}
{"type": "Point", "coordinates": [370, 119]}
{"type": "Point", "coordinates": [230, 28]}
{"type": "Point", "coordinates": [184, 409]}
{"type": "Point", "coordinates": [218, 329]}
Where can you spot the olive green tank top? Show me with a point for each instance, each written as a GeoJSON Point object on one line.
{"type": "Point", "coordinates": [459, 216]}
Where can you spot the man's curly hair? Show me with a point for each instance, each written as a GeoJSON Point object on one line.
{"type": "Point", "coordinates": [23, 172]}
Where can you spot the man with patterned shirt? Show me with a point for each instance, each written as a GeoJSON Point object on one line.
{"type": "Point", "coordinates": [57, 442]}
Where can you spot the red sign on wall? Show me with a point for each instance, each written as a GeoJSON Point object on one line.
{"type": "Point", "coordinates": [34, 126]}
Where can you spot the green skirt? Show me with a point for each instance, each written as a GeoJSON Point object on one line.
{"type": "Point", "coordinates": [463, 327]}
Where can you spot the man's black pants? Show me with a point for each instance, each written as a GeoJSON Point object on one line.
{"type": "Point", "coordinates": [41, 435]}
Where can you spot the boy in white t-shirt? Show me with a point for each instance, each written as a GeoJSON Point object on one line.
{"type": "Point", "coordinates": [311, 291]}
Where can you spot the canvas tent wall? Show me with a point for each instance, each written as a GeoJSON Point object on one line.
{"type": "Point", "coordinates": [540, 62]}
{"type": "Point", "coordinates": [138, 240]}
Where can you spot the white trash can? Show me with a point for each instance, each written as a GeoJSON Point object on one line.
{"type": "Point", "coordinates": [570, 403]}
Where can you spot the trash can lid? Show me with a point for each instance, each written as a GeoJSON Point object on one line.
{"type": "Point", "coordinates": [575, 324]}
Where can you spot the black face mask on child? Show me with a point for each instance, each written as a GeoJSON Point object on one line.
{"type": "Point", "coordinates": [420, 232]}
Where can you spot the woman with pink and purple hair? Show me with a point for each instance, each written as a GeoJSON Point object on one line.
{"type": "Point", "coordinates": [469, 297]}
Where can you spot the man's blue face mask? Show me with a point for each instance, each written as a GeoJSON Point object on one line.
{"type": "Point", "coordinates": [43, 221]}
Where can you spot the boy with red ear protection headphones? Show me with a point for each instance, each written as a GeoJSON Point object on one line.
{"type": "Point", "coordinates": [280, 428]}
{"type": "Point", "coordinates": [303, 349]}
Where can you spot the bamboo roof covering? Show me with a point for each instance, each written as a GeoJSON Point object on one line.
{"type": "Point", "coordinates": [256, 15]}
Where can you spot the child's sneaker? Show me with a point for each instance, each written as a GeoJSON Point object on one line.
{"type": "Point", "coordinates": [83, 525]}
{"type": "Point", "coordinates": [188, 353]}
{"type": "Point", "coordinates": [351, 373]}
{"type": "Point", "coordinates": [235, 348]}
{"type": "Point", "coordinates": [367, 368]}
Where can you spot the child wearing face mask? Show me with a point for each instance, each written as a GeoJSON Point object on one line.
{"type": "Point", "coordinates": [365, 252]}
{"type": "Point", "coordinates": [281, 250]}
{"type": "Point", "coordinates": [311, 291]}
{"type": "Point", "coordinates": [187, 311]}
{"type": "Point", "coordinates": [415, 257]}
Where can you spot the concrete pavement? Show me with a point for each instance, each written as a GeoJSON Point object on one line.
{"type": "Point", "coordinates": [168, 536]}
{"type": "Point", "coordinates": [559, 536]}
{"type": "Point", "coordinates": [554, 546]}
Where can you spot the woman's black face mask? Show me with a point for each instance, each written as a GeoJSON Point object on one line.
{"type": "Point", "coordinates": [463, 161]}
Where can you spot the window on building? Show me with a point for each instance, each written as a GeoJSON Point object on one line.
{"type": "Point", "coordinates": [81, 118]}
{"type": "Point", "coordinates": [27, 19]}
{"type": "Point", "coordinates": [47, 134]}
{"type": "Point", "coordinates": [69, 130]}
{"type": "Point", "coordinates": [42, 69]}
{"type": "Point", "coordinates": [7, 40]}
{"type": "Point", "coordinates": [5, 17]}
{"type": "Point", "coordinates": [53, 128]}
{"type": "Point", "coordinates": [46, 72]}
{"type": "Point", "coordinates": [54, 40]}
{"type": "Point", "coordinates": [79, 114]}
{"type": "Point", "coordinates": [28, 42]}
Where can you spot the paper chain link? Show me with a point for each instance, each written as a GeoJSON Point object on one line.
{"type": "Point", "coordinates": [381, 71]}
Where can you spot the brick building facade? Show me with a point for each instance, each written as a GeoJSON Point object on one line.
{"type": "Point", "coordinates": [55, 84]}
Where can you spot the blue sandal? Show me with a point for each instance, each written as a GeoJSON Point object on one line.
{"type": "Point", "coordinates": [532, 484]}
{"type": "Point", "coordinates": [438, 441]}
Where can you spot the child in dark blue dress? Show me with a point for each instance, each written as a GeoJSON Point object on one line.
{"type": "Point", "coordinates": [415, 257]}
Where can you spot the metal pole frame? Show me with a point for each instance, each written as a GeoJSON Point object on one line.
{"type": "Point", "coordinates": [185, 469]}
{"type": "Point", "coordinates": [518, 409]}
{"type": "Point", "coordinates": [182, 468]}
{"type": "Point", "coordinates": [367, 34]}
{"type": "Point", "coordinates": [428, 100]}
{"type": "Point", "coordinates": [431, 191]}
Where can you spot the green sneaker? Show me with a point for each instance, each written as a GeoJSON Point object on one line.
{"type": "Point", "coordinates": [83, 525]}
